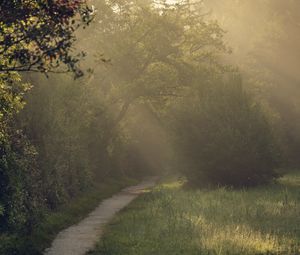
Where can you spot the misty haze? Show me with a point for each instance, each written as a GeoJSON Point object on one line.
{"type": "Point", "coordinates": [164, 127]}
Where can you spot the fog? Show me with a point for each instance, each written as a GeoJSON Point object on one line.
{"type": "Point", "coordinates": [202, 91]}
{"type": "Point", "coordinates": [263, 39]}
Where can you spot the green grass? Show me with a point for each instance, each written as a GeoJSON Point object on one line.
{"type": "Point", "coordinates": [69, 214]}
{"type": "Point", "coordinates": [172, 220]}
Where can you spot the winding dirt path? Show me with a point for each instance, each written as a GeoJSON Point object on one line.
{"type": "Point", "coordinates": [79, 239]}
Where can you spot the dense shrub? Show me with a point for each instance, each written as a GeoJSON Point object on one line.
{"type": "Point", "coordinates": [19, 175]}
{"type": "Point", "coordinates": [226, 138]}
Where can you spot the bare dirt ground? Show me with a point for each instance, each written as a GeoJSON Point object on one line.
{"type": "Point", "coordinates": [79, 239]}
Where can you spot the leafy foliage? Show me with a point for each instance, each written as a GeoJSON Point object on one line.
{"type": "Point", "coordinates": [178, 64]}
{"type": "Point", "coordinates": [19, 180]}
{"type": "Point", "coordinates": [38, 35]}
{"type": "Point", "coordinates": [34, 36]}
{"type": "Point", "coordinates": [150, 63]}
{"type": "Point", "coordinates": [226, 138]}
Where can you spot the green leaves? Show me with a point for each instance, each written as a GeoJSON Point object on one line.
{"type": "Point", "coordinates": [38, 35]}
{"type": "Point", "coordinates": [226, 138]}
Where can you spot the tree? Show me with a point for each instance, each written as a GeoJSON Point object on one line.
{"type": "Point", "coordinates": [35, 36]}
{"type": "Point", "coordinates": [225, 137]}
{"type": "Point", "coordinates": [154, 52]}
{"type": "Point", "coordinates": [19, 176]}
{"type": "Point", "coordinates": [151, 63]}
{"type": "Point", "coordinates": [268, 60]}
{"type": "Point", "coordinates": [38, 35]}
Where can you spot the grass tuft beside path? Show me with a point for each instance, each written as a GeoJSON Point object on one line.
{"type": "Point", "coordinates": [171, 220]}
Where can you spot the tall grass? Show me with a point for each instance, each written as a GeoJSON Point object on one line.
{"type": "Point", "coordinates": [173, 220]}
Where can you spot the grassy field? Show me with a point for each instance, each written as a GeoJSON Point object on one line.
{"type": "Point", "coordinates": [173, 220]}
{"type": "Point", "coordinates": [54, 222]}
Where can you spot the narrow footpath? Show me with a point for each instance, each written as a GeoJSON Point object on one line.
{"type": "Point", "coordinates": [79, 239]}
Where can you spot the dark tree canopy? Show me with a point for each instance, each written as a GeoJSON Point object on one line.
{"type": "Point", "coordinates": [38, 35]}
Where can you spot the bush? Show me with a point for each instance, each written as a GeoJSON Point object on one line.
{"type": "Point", "coordinates": [227, 139]}
{"type": "Point", "coordinates": [19, 175]}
